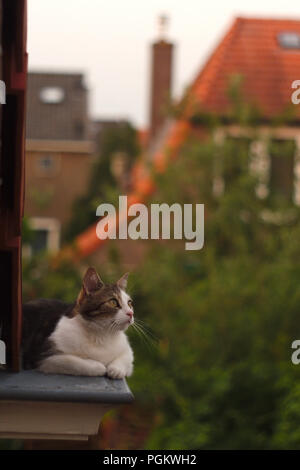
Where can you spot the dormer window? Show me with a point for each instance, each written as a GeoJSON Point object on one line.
{"type": "Point", "coordinates": [282, 163]}
{"type": "Point", "coordinates": [52, 95]}
{"type": "Point", "coordinates": [289, 40]}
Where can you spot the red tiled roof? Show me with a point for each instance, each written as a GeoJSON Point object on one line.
{"type": "Point", "coordinates": [251, 48]}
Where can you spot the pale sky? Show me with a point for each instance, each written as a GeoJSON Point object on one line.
{"type": "Point", "coordinates": [108, 40]}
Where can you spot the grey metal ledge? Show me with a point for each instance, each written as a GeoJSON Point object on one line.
{"type": "Point", "coordinates": [32, 385]}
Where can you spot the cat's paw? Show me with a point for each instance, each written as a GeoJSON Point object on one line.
{"type": "Point", "coordinates": [116, 372]}
{"type": "Point", "coordinates": [72, 365]}
{"type": "Point", "coordinates": [95, 369]}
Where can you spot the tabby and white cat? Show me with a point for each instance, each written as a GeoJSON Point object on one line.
{"type": "Point", "coordinates": [84, 338]}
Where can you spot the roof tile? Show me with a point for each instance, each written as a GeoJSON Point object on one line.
{"type": "Point", "coordinates": [251, 48]}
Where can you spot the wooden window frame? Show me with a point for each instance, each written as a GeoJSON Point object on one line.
{"type": "Point", "coordinates": [12, 160]}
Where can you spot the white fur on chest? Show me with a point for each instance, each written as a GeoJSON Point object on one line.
{"type": "Point", "coordinates": [70, 337]}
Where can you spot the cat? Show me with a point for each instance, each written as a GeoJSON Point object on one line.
{"type": "Point", "coordinates": [84, 338]}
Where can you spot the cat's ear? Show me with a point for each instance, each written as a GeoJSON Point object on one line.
{"type": "Point", "coordinates": [91, 281]}
{"type": "Point", "coordinates": [122, 282]}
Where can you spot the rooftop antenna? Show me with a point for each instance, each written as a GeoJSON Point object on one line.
{"type": "Point", "coordinates": [163, 23]}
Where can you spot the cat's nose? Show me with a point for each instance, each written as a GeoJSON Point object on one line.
{"type": "Point", "coordinates": [130, 314]}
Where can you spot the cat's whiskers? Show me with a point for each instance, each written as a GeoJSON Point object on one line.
{"type": "Point", "coordinates": [147, 330]}
{"type": "Point", "coordinates": [144, 335]}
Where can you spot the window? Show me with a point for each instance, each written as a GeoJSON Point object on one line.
{"type": "Point", "coordinates": [47, 165]}
{"type": "Point", "coordinates": [46, 235]}
{"type": "Point", "coordinates": [282, 161]}
{"type": "Point", "coordinates": [39, 242]}
{"type": "Point", "coordinates": [46, 162]}
{"type": "Point", "coordinates": [52, 95]}
{"type": "Point", "coordinates": [289, 40]}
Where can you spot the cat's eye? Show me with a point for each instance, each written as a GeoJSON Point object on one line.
{"type": "Point", "coordinates": [130, 303]}
{"type": "Point", "coordinates": [113, 303]}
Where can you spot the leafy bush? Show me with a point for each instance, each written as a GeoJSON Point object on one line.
{"type": "Point", "coordinates": [222, 376]}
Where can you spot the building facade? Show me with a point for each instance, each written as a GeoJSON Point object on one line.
{"type": "Point", "coordinates": [58, 153]}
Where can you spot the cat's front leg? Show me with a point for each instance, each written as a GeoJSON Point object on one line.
{"type": "Point", "coordinates": [120, 367]}
{"type": "Point", "coordinates": [71, 365]}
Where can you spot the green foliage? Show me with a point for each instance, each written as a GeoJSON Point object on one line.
{"type": "Point", "coordinates": [102, 185]}
{"type": "Point", "coordinates": [27, 232]}
{"type": "Point", "coordinates": [43, 279]}
{"type": "Point", "coordinates": [221, 376]}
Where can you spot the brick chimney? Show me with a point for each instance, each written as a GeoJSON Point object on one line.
{"type": "Point", "coordinates": [161, 78]}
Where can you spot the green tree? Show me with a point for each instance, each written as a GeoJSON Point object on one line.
{"type": "Point", "coordinates": [44, 278]}
{"type": "Point", "coordinates": [221, 376]}
{"type": "Point", "coordinates": [102, 186]}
